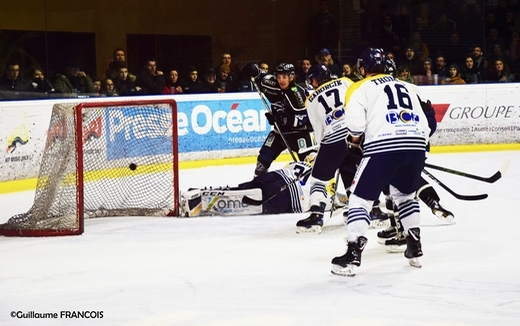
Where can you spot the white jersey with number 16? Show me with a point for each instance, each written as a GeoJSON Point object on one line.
{"type": "Point", "coordinates": [389, 114]}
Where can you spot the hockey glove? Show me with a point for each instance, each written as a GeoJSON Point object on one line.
{"type": "Point", "coordinates": [426, 106]}
{"type": "Point", "coordinates": [251, 70]}
{"type": "Point", "coordinates": [279, 114]}
{"type": "Point", "coordinates": [429, 112]}
{"type": "Point", "coordinates": [354, 148]}
{"type": "Point", "coordinates": [270, 118]}
{"type": "Point", "coordinates": [281, 118]}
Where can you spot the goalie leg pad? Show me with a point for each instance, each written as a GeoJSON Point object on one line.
{"type": "Point", "coordinates": [218, 202]}
{"type": "Point", "coordinates": [190, 203]}
{"type": "Point", "coordinates": [229, 202]}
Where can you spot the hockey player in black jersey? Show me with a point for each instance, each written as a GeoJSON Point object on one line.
{"type": "Point", "coordinates": [287, 113]}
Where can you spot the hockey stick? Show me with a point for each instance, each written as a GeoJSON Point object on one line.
{"type": "Point", "coordinates": [490, 179]}
{"type": "Point", "coordinates": [275, 124]}
{"type": "Point", "coordinates": [333, 197]}
{"type": "Point", "coordinates": [453, 193]}
{"type": "Point", "coordinates": [254, 202]}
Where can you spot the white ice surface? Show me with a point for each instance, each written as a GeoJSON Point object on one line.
{"type": "Point", "coordinates": [255, 270]}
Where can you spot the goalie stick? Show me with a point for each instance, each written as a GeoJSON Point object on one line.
{"type": "Point", "coordinates": [490, 179]}
{"type": "Point", "coordinates": [453, 193]}
{"type": "Point", "coordinates": [275, 124]}
{"type": "Point", "coordinates": [254, 202]}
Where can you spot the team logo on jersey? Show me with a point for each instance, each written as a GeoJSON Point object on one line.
{"type": "Point", "coordinates": [302, 143]}
{"type": "Point", "coordinates": [270, 82]}
{"type": "Point", "coordinates": [403, 116]}
{"type": "Point", "coordinates": [334, 115]}
{"type": "Point", "coordinates": [270, 139]}
{"type": "Point", "coordinates": [299, 97]}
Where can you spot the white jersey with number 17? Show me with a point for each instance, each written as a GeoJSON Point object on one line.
{"type": "Point", "coordinates": [325, 108]}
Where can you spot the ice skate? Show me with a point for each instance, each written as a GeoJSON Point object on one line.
{"type": "Point", "coordinates": [396, 244]}
{"type": "Point", "coordinates": [311, 224]}
{"type": "Point", "coordinates": [347, 264]}
{"type": "Point", "coordinates": [442, 213]}
{"type": "Point", "coordinates": [378, 218]}
{"type": "Point", "coordinates": [413, 247]}
{"type": "Point", "coordinates": [392, 231]}
{"type": "Point", "coordinates": [388, 233]}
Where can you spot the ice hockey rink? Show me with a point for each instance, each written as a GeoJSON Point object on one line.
{"type": "Point", "coordinates": [255, 270]}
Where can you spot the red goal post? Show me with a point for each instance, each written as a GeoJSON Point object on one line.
{"type": "Point", "coordinates": [103, 158]}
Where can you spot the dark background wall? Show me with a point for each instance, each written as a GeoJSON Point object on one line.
{"type": "Point", "coordinates": [176, 32]}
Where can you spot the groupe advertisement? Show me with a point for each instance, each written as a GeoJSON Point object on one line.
{"type": "Point", "coordinates": [215, 126]}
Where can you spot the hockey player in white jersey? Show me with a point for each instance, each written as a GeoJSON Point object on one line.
{"type": "Point", "coordinates": [326, 113]}
{"type": "Point", "coordinates": [385, 117]}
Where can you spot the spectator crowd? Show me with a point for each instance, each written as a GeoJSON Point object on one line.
{"type": "Point", "coordinates": [435, 42]}
{"type": "Point", "coordinates": [451, 42]}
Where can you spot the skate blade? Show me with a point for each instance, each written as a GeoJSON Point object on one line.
{"type": "Point", "coordinates": [414, 262]}
{"type": "Point", "coordinates": [349, 270]}
{"type": "Point", "coordinates": [383, 240]}
{"type": "Point", "coordinates": [449, 218]}
{"type": "Point", "coordinates": [315, 229]}
{"type": "Point", "coordinates": [379, 224]}
{"type": "Point", "coordinates": [395, 249]}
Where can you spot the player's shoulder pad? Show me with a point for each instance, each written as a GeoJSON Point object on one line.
{"type": "Point", "coordinates": [365, 82]}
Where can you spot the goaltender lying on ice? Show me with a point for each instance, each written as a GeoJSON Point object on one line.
{"type": "Point", "coordinates": [286, 189]}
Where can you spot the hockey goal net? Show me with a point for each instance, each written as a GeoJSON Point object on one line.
{"type": "Point", "coordinates": [103, 159]}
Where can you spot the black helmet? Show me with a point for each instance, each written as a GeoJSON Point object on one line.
{"type": "Point", "coordinates": [372, 60]}
{"type": "Point", "coordinates": [284, 68]}
{"type": "Point", "coordinates": [319, 72]}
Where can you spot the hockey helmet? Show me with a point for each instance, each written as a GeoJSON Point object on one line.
{"type": "Point", "coordinates": [319, 72]}
{"type": "Point", "coordinates": [372, 60]}
{"type": "Point", "coordinates": [285, 68]}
